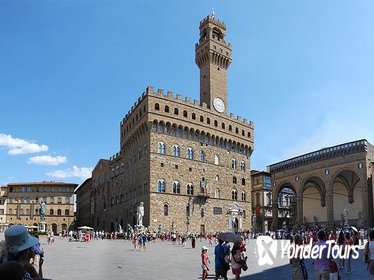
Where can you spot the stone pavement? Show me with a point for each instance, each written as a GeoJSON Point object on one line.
{"type": "Point", "coordinates": [116, 259]}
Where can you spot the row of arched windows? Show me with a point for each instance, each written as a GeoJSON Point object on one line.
{"type": "Point", "coordinates": [176, 152]}
{"type": "Point", "coordinates": [176, 188]}
{"type": "Point", "coordinates": [193, 116]}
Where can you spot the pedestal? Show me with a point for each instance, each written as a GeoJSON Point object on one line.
{"type": "Point", "coordinates": [42, 226]}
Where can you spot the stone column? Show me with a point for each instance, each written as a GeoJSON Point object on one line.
{"type": "Point", "coordinates": [330, 207]}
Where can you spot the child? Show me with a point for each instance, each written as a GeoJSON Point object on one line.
{"type": "Point", "coordinates": [204, 262]}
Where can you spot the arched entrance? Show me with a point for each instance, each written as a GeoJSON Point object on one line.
{"type": "Point", "coordinates": [284, 208]}
{"type": "Point", "coordinates": [54, 228]}
{"type": "Point", "coordinates": [347, 199]}
{"type": "Point", "coordinates": [314, 211]}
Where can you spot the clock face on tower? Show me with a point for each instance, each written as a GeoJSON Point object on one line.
{"type": "Point", "coordinates": [219, 105]}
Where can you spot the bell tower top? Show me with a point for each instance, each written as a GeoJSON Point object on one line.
{"type": "Point", "coordinates": [213, 57]}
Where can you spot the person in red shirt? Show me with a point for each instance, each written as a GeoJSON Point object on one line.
{"type": "Point", "coordinates": [204, 262]}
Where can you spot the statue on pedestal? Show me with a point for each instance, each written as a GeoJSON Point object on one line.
{"type": "Point", "coordinates": [42, 211]}
{"type": "Point", "coordinates": [140, 214]}
{"type": "Point", "coordinates": [345, 218]}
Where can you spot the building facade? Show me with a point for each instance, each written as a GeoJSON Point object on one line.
{"type": "Point", "coordinates": [187, 161]}
{"type": "Point", "coordinates": [23, 204]}
{"type": "Point", "coordinates": [3, 205]}
{"type": "Point", "coordinates": [332, 187]}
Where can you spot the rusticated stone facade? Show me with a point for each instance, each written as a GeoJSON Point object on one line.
{"type": "Point", "coordinates": [187, 161]}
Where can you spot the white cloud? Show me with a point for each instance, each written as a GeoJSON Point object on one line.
{"type": "Point", "coordinates": [17, 146]}
{"type": "Point", "coordinates": [75, 171]}
{"type": "Point", "coordinates": [47, 160]}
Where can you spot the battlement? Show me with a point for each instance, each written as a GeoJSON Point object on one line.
{"type": "Point", "coordinates": [178, 98]}
{"type": "Point", "coordinates": [211, 18]}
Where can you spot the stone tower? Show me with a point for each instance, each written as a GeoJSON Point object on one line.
{"type": "Point", "coordinates": [213, 56]}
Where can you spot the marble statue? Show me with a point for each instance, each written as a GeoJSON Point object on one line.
{"type": "Point", "coordinates": [140, 214]}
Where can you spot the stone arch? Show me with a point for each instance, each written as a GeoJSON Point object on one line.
{"type": "Point", "coordinates": [285, 216]}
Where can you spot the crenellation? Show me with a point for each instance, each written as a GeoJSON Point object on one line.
{"type": "Point", "coordinates": [187, 100]}
{"type": "Point", "coordinates": [196, 102]}
{"type": "Point", "coordinates": [149, 90]}
{"type": "Point", "coordinates": [160, 92]}
{"type": "Point", "coordinates": [204, 105]}
{"type": "Point", "coordinates": [245, 121]}
{"type": "Point", "coordinates": [238, 118]}
{"type": "Point", "coordinates": [232, 115]}
{"type": "Point", "coordinates": [170, 94]}
{"type": "Point", "coordinates": [179, 97]}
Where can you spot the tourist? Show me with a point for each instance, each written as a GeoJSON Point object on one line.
{"type": "Point", "coordinates": [13, 271]}
{"type": "Point", "coordinates": [348, 242]}
{"type": "Point", "coordinates": [369, 251]}
{"type": "Point", "coordinates": [321, 263]}
{"type": "Point", "coordinates": [87, 238]}
{"type": "Point", "coordinates": [236, 261]}
{"type": "Point", "coordinates": [221, 267]}
{"type": "Point", "coordinates": [204, 262]}
{"type": "Point", "coordinates": [19, 247]}
{"type": "Point", "coordinates": [341, 249]}
{"type": "Point", "coordinates": [299, 271]}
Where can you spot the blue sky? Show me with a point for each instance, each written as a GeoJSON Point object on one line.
{"type": "Point", "coordinates": [303, 71]}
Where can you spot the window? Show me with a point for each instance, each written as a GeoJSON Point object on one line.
{"type": "Point", "coordinates": [67, 212]}
{"type": "Point", "coordinates": [176, 187]}
{"type": "Point", "coordinates": [10, 211]}
{"type": "Point", "coordinates": [244, 196]}
{"type": "Point", "coordinates": [202, 213]}
{"type": "Point", "coordinates": [201, 118]}
{"type": "Point", "coordinates": [51, 212]}
{"type": "Point", "coordinates": [27, 211]}
{"type": "Point", "coordinates": [217, 177]}
{"type": "Point", "coordinates": [216, 159]}
{"type": "Point", "coordinates": [189, 153]}
{"type": "Point", "coordinates": [176, 151]}
{"type": "Point", "coordinates": [185, 114]}
{"type": "Point", "coordinates": [234, 194]}
{"type": "Point", "coordinates": [167, 109]}
{"type": "Point", "coordinates": [59, 200]}
{"type": "Point", "coordinates": [193, 116]}
{"type": "Point", "coordinates": [67, 200]}
{"type": "Point", "coordinates": [230, 127]}
{"type": "Point", "coordinates": [233, 163]}
{"type": "Point", "coordinates": [217, 194]}
{"type": "Point", "coordinates": [176, 111]}
{"type": "Point", "coordinates": [215, 123]}
{"type": "Point", "coordinates": [223, 125]}
{"type": "Point", "coordinates": [52, 200]}
{"type": "Point", "coordinates": [207, 120]}
{"type": "Point", "coordinates": [59, 212]}
{"type": "Point", "coordinates": [243, 182]}
{"type": "Point", "coordinates": [166, 209]}
{"type": "Point", "coordinates": [234, 180]}
{"type": "Point", "coordinates": [236, 130]}
{"type": "Point", "coordinates": [202, 156]}
{"type": "Point", "coordinates": [189, 189]}
{"type": "Point", "coordinates": [21, 212]}
{"type": "Point", "coordinates": [161, 148]}
{"type": "Point", "coordinates": [161, 186]}
{"type": "Point", "coordinates": [242, 166]}
{"type": "Point", "coordinates": [243, 133]}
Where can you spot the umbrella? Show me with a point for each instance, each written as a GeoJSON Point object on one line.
{"type": "Point", "coordinates": [354, 228]}
{"type": "Point", "coordinates": [86, 227]}
{"type": "Point", "coordinates": [229, 237]}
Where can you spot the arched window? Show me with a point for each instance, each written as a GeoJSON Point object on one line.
{"type": "Point", "coordinates": [234, 194]}
{"type": "Point", "coordinates": [193, 116]}
{"type": "Point", "coordinates": [10, 211]}
{"type": "Point", "coordinates": [176, 111]}
{"type": "Point", "coordinates": [207, 120]}
{"type": "Point", "coordinates": [244, 196]}
{"type": "Point", "coordinates": [215, 123]}
{"type": "Point", "coordinates": [176, 151]}
{"type": "Point", "coordinates": [243, 182]}
{"type": "Point", "coordinates": [216, 159]}
{"type": "Point", "coordinates": [230, 127]}
{"type": "Point", "coordinates": [166, 209]}
{"type": "Point", "coordinates": [161, 186]}
{"type": "Point", "coordinates": [243, 133]}
{"type": "Point", "coordinates": [202, 213]}
{"type": "Point", "coordinates": [217, 194]}
{"type": "Point", "coordinates": [202, 156]}
{"type": "Point", "coordinates": [27, 211]}
{"type": "Point", "coordinates": [51, 212]}
{"type": "Point", "coordinates": [233, 163]}
{"type": "Point", "coordinates": [217, 177]}
{"type": "Point", "coordinates": [236, 130]}
{"type": "Point", "coordinates": [157, 107]}
{"type": "Point", "coordinates": [185, 114]}
{"type": "Point", "coordinates": [234, 180]}
{"type": "Point", "coordinates": [242, 166]}
{"type": "Point", "coordinates": [59, 200]}
{"type": "Point", "coordinates": [52, 200]}
{"type": "Point", "coordinates": [161, 148]}
{"type": "Point", "coordinates": [201, 118]}
{"type": "Point", "coordinates": [59, 212]}
{"type": "Point", "coordinates": [189, 153]}
{"type": "Point", "coordinates": [167, 109]}
{"type": "Point", "coordinates": [249, 135]}
{"type": "Point", "coordinates": [189, 189]}
{"type": "Point", "coordinates": [66, 212]}
{"type": "Point", "coordinates": [223, 125]}
{"type": "Point", "coordinates": [21, 211]}
{"type": "Point", "coordinates": [176, 187]}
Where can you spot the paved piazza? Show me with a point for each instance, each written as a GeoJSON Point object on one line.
{"type": "Point", "coordinates": [116, 259]}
